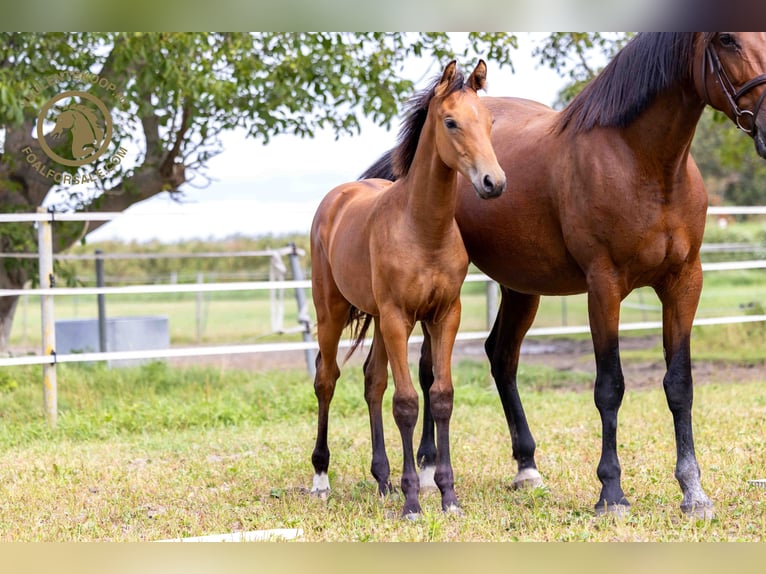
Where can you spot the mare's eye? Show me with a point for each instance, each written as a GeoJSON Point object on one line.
{"type": "Point", "coordinates": [727, 40]}
{"type": "Point", "coordinates": [450, 123]}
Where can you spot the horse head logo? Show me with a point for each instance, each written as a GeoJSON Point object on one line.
{"type": "Point", "coordinates": [87, 127]}
{"type": "Point", "coordinates": [83, 123]}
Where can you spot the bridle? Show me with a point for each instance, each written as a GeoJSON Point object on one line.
{"type": "Point", "coordinates": [713, 62]}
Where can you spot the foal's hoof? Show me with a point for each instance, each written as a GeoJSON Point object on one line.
{"type": "Point", "coordinates": [321, 487]}
{"type": "Point", "coordinates": [699, 511]}
{"type": "Point", "coordinates": [616, 510]}
{"type": "Point", "coordinates": [320, 494]}
{"type": "Point", "coordinates": [426, 477]}
{"type": "Point", "coordinates": [454, 510]}
{"type": "Point", "coordinates": [385, 489]}
{"type": "Point", "coordinates": [527, 478]}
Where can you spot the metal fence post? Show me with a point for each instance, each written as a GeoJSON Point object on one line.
{"type": "Point", "coordinates": [101, 300]}
{"type": "Point", "coordinates": [303, 310]}
{"type": "Point", "coordinates": [45, 258]}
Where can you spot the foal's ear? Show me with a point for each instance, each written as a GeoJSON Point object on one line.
{"type": "Point", "coordinates": [449, 74]}
{"type": "Point", "coordinates": [478, 78]}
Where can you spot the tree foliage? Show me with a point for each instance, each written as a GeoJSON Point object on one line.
{"type": "Point", "coordinates": [171, 96]}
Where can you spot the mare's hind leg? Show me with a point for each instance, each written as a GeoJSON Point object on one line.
{"type": "Point", "coordinates": [375, 382]}
{"type": "Point", "coordinates": [332, 313]}
{"type": "Point", "coordinates": [679, 304]}
{"type": "Point", "coordinates": [426, 456]}
{"type": "Point", "coordinates": [514, 318]}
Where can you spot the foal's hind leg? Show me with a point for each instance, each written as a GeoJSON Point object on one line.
{"type": "Point", "coordinates": [514, 318]}
{"type": "Point", "coordinates": [375, 382]}
{"type": "Point", "coordinates": [332, 312]}
{"type": "Point", "coordinates": [679, 304]}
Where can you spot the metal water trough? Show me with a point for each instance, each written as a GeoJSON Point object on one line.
{"type": "Point", "coordinates": [122, 334]}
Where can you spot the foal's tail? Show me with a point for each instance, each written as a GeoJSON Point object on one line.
{"type": "Point", "coordinates": [359, 322]}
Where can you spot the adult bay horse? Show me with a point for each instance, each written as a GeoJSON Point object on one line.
{"type": "Point", "coordinates": [392, 253]}
{"type": "Point", "coordinates": [604, 197]}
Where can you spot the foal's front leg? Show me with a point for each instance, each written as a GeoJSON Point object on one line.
{"type": "Point", "coordinates": [441, 398]}
{"type": "Point", "coordinates": [396, 329]}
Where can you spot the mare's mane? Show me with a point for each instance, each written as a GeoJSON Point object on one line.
{"type": "Point", "coordinates": [649, 64]}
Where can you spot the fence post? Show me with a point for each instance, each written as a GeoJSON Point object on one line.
{"type": "Point", "coordinates": [491, 303]}
{"type": "Point", "coordinates": [45, 258]}
{"type": "Point", "coordinates": [303, 311]}
{"type": "Point", "coordinates": [101, 299]}
{"type": "Point", "coordinates": [198, 307]}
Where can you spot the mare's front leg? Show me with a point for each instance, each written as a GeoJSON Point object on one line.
{"type": "Point", "coordinates": [375, 382]}
{"type": "Point", "coordinates": [503, 347]}
{"type": "Point", "coordinates": [604, 298]}
{"type": "Point", "coordinates": [396, 329]}
{"type": "Point", "coordinates": [679, 297]}
{"type": "Point", "coordinates": [443, 335]}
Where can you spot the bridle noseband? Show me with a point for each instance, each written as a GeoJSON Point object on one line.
{"type": "Point", "coordinates": [713, 62]}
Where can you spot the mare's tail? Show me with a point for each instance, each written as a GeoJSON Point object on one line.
{"type": "Point", "coordinates": [383, 168]}
{"type": "Point", "coordinates": [359, 322]}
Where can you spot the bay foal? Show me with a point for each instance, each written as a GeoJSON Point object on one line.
{"type": "Point", "coordinates": [391, 253]}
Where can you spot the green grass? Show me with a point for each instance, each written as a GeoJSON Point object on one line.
{"type": "Point", "coordinates": [156, 452]}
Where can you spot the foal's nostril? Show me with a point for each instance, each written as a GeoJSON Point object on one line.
{"type": "Point", "coordinates": [489, 185]}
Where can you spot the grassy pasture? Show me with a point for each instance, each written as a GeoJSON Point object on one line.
{"type": "Point", "coordinates": [156, 452]}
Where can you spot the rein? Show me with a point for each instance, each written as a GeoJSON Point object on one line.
{"type": "Point", "coordinates": [732, 94]}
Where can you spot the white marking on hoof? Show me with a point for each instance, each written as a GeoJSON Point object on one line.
{"type": "Point", "coordinates": [426, 476]}
{"type": "Point", "coordinates": [527, 478]}
{"type": "Point", "coordinates": [321, 486]}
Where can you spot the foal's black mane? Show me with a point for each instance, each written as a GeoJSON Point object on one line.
{"type": "Point", "coordinates": [397, 161]}
{"type": "Point", "coordinates": [649, 64]}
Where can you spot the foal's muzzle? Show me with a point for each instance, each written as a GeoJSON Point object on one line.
{"type": "Point", "coordinates": [488, 186]}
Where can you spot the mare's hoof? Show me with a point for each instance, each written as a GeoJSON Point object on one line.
{"type": "Point", "coordinates": [616, 510]}
{"type": "Point", "coordinates": [527, 478]}
{"type": "Point", "coordinates": [704, 511]}
{"type": "Point", "coordinates": [426, 477]}
{"type": "Point", "coordinates": [411, 516]}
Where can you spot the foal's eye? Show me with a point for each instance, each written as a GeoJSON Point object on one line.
{"type": "Point", "coordinates": [727, 40]}
{"type": "Point", "coordinates": [450, 123]}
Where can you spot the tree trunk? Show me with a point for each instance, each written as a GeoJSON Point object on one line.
{"type": "Point", "coordinates": [7, 311]}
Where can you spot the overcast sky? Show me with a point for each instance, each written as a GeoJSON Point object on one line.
{"type": "Point", "coordinates": [260, 189]}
